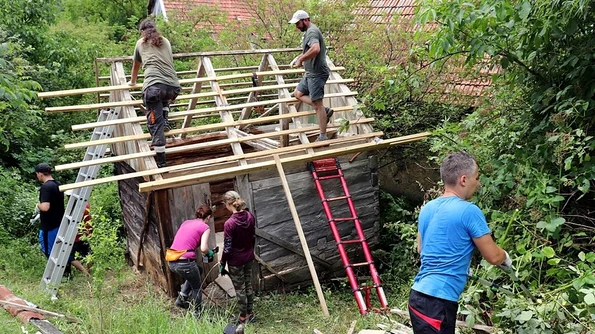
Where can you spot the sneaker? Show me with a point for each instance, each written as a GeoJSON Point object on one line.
{"type": "Point", "coordinates": [321, 138]}
{"type": "Point", "coordinates": [329, 113]}
{"type": "Point", "coordinates": [182, 301]}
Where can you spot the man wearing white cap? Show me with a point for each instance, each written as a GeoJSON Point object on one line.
{"type": "Point", "coordinates": [310, 90]}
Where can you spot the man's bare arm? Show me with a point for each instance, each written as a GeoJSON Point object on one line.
{"type": "Point", "coordinates": [312, 52]}
{"type": "Point", "coordinates": [418, 243]}
{"type": "Point", "coordinates": [489, 250]}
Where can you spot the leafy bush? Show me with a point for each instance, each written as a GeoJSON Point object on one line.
{"type": "Point", "coordinates": [398, 253]}
{"type": "Point", "coordinates": [17, 204]}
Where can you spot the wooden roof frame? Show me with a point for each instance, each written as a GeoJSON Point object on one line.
{"type": "Point", "coordinates": [129, 142]}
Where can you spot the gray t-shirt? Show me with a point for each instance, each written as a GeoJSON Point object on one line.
{"type": "Point", "coordinates": [315, 67]}
{"type": "Point", "coordinates": [158, 63]}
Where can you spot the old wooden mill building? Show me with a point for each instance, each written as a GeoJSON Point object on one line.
{"type": "Point", "coordinates": [229, 125]}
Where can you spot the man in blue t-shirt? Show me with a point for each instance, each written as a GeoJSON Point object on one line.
{"type": "Point", "coordinates": [449, 229]}
{"type": "Point", "coordinates": [310, 90]}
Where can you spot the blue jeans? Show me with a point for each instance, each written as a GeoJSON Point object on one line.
{"type": "Point", "coordinates": [47, 239]}
{"type": "Point", "coordinates": [192, 286]}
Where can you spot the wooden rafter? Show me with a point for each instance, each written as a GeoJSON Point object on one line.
{"type": "Point", "coordinates": [247, 99]}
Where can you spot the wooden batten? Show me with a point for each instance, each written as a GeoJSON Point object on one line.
{"type": "Point", "coordinates": [232, 171]}
{"type": "Point", "coordinates": [213, 78]}
{"type": "Point", "coordinates": [216, 163]}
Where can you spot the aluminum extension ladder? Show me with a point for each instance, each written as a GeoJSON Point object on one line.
{"type": "Point", "coordinates": [329, 169]}
{"type": "Point", "coordinates": [73, 215]}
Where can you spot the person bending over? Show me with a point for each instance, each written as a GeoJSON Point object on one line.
{"type": "Point", "coordinates": [450, 228]}
{"type": "Point", "coordinates": [192, 234]}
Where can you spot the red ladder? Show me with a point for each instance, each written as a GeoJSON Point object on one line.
{"type": "Point", "coordinates": [328, 169]}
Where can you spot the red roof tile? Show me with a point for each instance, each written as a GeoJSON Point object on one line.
{"type": "Point", "coordinates": [237, 10]}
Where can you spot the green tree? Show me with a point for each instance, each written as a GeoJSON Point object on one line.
{"type": "Point", "coordinates": [533, 140]}
{"type": "Point", "coordinates": [18, 117]}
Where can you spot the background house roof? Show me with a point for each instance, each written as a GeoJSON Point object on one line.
{"type": "Point", "coordinates": [382, 11]}
{"type": "Point", "coordinates": [237, 10]}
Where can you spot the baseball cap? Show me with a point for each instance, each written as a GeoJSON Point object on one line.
{"type": "Point", "coordinates": [299, 15]}
{"type": "Point", "coordinates": [43, 168]}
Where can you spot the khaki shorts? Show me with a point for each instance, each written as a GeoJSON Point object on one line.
{"type": "Point", "coordinates": [313, 87]}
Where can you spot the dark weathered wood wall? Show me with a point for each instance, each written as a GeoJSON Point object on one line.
{"type": "Point", "coordinates": [274, 221]}
{"type": "Point", "coordinates": [133, 211]}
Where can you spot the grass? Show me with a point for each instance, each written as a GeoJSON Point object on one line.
{"type": "Point", "coordinates": [130, 303]}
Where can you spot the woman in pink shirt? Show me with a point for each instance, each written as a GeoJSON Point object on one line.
{"type": "Point", "coordinates": [192, 234]}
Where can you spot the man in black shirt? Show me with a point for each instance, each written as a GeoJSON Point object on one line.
{"type": "Point", "coordinates": [51, 207]}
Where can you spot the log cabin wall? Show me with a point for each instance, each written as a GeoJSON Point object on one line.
{"type": "Point", "coordinates": [278, 244]}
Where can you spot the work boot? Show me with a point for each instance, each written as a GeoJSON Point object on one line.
{"type": "Point", "coordinates": [160, 159]}
{"type": "Point", "coordinates": [329, 113]}
{"type": "Point", "coordinates": [182, 301]}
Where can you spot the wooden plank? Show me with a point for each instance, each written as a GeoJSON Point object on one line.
{"type": "Point", "coordinates": [225, 115]}
{"type": "Point", "coordinates": [269, 268]}
{"type": "Point", "coordinates": [298, 226]}
{"type": "Point", "coordinates": [166, 234]}
{"type": "Point", "coordinates": [347, 100]}
{"type": "Point", "coordinates": [201, 128]}
{"type": "Point", "coordinates": [193, 112]}
{"type": "Point", "coordinates": [208, 53]}
{"type": "Point", "coordinates": [181, 73]}
{"type": "Point", "coordinates": [289, 246]}
{"type": "Point", "coordinates": [228, 172]}
{"type": "Point", "coordinates": [210, 162]}
{"type": "Point", "coordinates": [139, 146]}
{"type": "Point", "coordinates": [185, 113]}
{"type": "Point", "coordinates": [193, 96]}
{"type": "Point", "coordinates": [80, 91]}
{"type": "Point", "coordinates": [45, 327]}
{"type": "Point", "coordinates": [260, 144]}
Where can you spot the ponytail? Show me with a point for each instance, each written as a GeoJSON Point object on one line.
{"type": "Point", "coordinates": [150, 33]}
{"type": "Point", "coordinates": [233, 198]}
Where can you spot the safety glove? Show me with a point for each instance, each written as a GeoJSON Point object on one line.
{"type": "Point", "coordinates": [507, 264]}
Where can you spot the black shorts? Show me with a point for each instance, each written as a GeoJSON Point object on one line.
{"type": "Point", "coordinates": [82, 248]}
{"type": "Point", "coordinates": [432, 315]}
